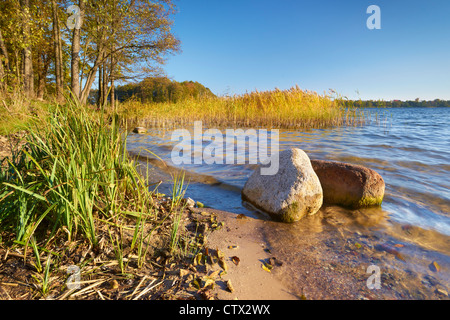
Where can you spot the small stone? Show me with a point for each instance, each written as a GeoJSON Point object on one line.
{"type": "Point", "coordinates": [139, 130]}
{"type": "Point", "coordinates": [190, 203]}
{"type": "Point", "coordinates": [441, 290]}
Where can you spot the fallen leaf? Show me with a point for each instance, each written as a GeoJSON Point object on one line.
{"type": "Point", "coordinates": [230, 286]}
{"type": "Point", "coordinates": [200, 205]}
{"type": "Point", "coordinates": [267, 267]}
{"type": "Point", "coordinates": [391, 250]}
{"type": "Point", "coordinates": [358, 245]}
{"type": "Point", "coordinates": [183, 272]}
{"type": "Point", "coordinates": [220, 254]}
{"type": "Point", "coordinates": [398, 245]}
{"type": "Point", "coordinates": [198, 259]}
{"type": "Point", "coordinates": [214, 274]}
{"type": "Point", "coordinates": [233, 247]}
{"type": "Point", "coordinates": [223, 264]}
{"type": "Point", "coordinates": [196, 284]}
{"type": "Point", "coordinates": [208, 282]}
{"type": "Point", "coordinates": [241, 216]}
{"type": "Point", "coordinates": [435, 267]}
{"type": "Point", "coordinates": [192, 268]}
{"type": "Point", "coordinates": [114, 284]}
{"type": "Point", "coordinates": [235, 260]}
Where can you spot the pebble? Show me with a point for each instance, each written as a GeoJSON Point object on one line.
{"type": "Point", "coordinates": [190, 203]}
{"type": "Point", "coordinates": [441, 290]}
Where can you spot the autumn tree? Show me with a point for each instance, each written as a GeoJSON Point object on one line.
{"type": "Point", "coordinates": [117, 38]}
{"type": "Point", "coordinates": [123, 31]}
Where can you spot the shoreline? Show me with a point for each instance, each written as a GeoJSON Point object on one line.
{"type": "Point", "coordinates": [327, 256]}
{"type": "Point", "coordinates": [331, 264]}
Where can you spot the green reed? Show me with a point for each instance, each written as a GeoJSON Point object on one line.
{"type": "Point", "coordinates": [72, 173]}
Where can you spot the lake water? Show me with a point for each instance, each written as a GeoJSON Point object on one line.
{"type": "Point", "coordinates": [408, 147]}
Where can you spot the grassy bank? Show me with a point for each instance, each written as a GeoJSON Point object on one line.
{"type": "Point", "coordinates": [71, 197]}
{"type": "Point", "coordinates": [293, 108]}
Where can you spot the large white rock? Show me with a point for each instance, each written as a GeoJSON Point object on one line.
{"type": "Point", "coordinates": [290, 194]}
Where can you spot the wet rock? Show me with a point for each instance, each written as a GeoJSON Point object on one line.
{"type": "Point", "coordinates": [349, 185]}
{"type": "Point", "coordinates": [292, 193]}
{"type": "Point", "coordinates": [139, 130]}
{"type": "Point", "coordinates": [434, 266]}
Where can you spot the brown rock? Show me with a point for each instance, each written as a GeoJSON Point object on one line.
{"type": "Point", "coordinates": [349, 185]}
{"type": "Point", "coordinates": [139, 130]}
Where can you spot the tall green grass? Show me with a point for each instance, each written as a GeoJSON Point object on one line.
{"type": "Point", "coordinates": [293, 108]}
{"type": "Point", "coordinates": [71, 177]}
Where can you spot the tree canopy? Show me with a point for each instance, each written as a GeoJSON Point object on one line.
{"type": "Point", "coordinates": [53, 47]}
{"type": "Point", "coordinates": [161, 89]}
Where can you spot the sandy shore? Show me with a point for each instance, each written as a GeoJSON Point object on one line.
{"type": "Point", "coordinates": [242, 238]}
{"type": "Point", "coordinates": [323, 261]}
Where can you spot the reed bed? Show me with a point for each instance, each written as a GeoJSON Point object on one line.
{"type": "Point", "coordinates": [291, 109]}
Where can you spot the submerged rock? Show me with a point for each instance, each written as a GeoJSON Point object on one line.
{"type": "Point", "coordinates": [349, 185]}
{"type": "Point", "coordinates": [139, 130]}
{"type": "Point", "coordinates": [292, 193]}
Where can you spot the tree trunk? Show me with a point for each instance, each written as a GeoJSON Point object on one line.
{"type": "Point", "coordinates": [113, 93]}
{"type": "Point", "coordinates": [41, 78]}
{"type": "Point", "coordinates": [3, 60]}
{"type": "Point", "coordinates": [58, 53]}
{"type": "Point", "coordinates": [105, 83]}
{"type": "Point", "coordinates": [91, 77]}
{"type": "Point", "coordinates": [111, 69]}
{"type": "Point", "coordinates": [100, 88]}
{"type": "Point", "coordinates": [27, 71]}
{"type": "Point", "coordinates": [43, 65]}
{"type": "Point", "coordinates": [75, 63]}
{"type": "Point", "coordinates": [2, 78]}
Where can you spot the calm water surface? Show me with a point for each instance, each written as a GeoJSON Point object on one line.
{"type": "Point", "coordinates": [410, 148]}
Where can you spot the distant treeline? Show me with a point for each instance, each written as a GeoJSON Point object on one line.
{"type": "Point", "coordinates": [161, 89]}
{"type": "Point", "coordinates": [396, 103]}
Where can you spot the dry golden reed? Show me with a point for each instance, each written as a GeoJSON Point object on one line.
{"type": "Point", "coordinates": [291, 109]}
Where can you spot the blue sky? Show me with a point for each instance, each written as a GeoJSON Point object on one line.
{"type": "Point", "coordinates": [236, 46]}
